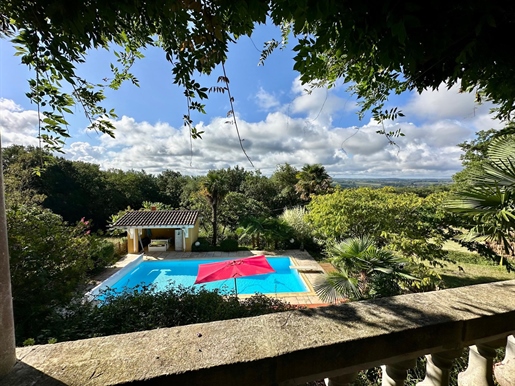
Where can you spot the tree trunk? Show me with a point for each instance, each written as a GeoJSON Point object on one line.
{"type": "Point", "coordinates": [214, 222]}
{"type": "Point", "coordinates": [7, 342]}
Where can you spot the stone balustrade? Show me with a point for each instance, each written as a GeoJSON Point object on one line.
{"type": "Point", "coordinates": [295, 347]}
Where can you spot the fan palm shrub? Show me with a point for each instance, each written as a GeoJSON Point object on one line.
{"type": "Point", "coordinates": [489, 198]}
{"type": "Point", "coordinates": [363, 271]}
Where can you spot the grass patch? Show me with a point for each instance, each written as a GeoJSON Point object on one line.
{"type": "Point", "coordinates": [470, 258]}
{"type": "Point", "coordinates": [471, 268]}
{"type": "Point", "coordinates": [451, 245]}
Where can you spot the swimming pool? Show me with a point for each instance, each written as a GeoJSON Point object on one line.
{"type": "Point", "coordinates": [164, 273]}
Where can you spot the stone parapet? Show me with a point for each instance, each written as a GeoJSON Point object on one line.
{"type": "Point", "coordinates": [280, 349]}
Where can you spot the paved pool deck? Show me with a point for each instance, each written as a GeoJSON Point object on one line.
{"type": "Point", "coordinates": [307, 266]}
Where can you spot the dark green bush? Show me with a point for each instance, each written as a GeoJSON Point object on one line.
{"type": "Point", "coordinates": [144, 309]}
{"type": "Point", "coordinates": [49, 261]}
{"type": "Point", "coordinates": [102, 253]}
{"type": "Point", "coordinates": [204, 245]}
{"type": "Point", "coordinates": [229, 245]}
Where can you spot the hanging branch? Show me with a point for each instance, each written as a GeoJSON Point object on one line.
{"type": "Point", "coordinates": [381, 116]}
{"type": "Point", "coordinates": [231, 112]}
{"type": "Point", "coordinates": [189, 93]}
{"type": "Point", "coordinates": [188, 121]}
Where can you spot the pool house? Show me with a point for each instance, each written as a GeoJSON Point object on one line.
{"type": "Point", "coordinates": [160, 230]}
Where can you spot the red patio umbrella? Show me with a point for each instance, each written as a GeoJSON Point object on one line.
{"type": "Point", "coordinates": [248, 266]}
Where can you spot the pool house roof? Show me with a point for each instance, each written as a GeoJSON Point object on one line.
{"type": "Point", "coordinates": [157, 219]}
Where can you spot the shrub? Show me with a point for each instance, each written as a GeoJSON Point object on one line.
{"type": "Point", "coordinates": [120, 245]}
{"type": "Point", "coordinates": [102, 253]}
{"type": "Point", "coordinates": [143, 309]}
{"type": "Point", "coordinates": [204, 245]}
{"type": "Point", "coordinates": [49, 261]}
{"type": "Point", "coordinates": [229, 245]}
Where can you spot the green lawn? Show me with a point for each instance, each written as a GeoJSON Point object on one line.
{"type": "Point", "coordinates": [470, 268]}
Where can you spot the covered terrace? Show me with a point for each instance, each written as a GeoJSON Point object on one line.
{"type": "Point", "coordinates": [162, 230]}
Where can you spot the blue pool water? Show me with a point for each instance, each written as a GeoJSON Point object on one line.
{"type": "Point", "coordinates": [162, 274]}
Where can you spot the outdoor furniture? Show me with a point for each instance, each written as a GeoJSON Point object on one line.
{"type": "Point", "coordinates": [158, 245]}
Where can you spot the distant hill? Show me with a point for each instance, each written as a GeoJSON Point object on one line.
{"type": "Point", "coordinates": [396, 182]}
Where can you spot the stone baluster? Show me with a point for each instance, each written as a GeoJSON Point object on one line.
{"type": "Point", "coordinates": [505, 371]}
{"type": "Point", "coordinates": [438, 368]}
{"type": "Point", "coordinates": [395, 374]}
{"type": "Point", "coordinates": [479, 371]}
{"type": "Point", "coordinates": [341, 380]}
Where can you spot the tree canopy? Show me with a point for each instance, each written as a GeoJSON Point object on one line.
{"type": "Point", "coordinates": [377, 49]}
{"type": "Point", "coordinates": [411, 225]}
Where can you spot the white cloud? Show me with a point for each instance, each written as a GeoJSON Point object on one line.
{"type": "Point", "coordinates": [451, 104]}
{"type": "Point", "coordinates": [303, 133]}
{"type": "Point", "coordinates": [442, 103]}
{"type": "Point", "coordinates": [318, 104]}
{"type": "Point", "coordinates": [17, 126]}
{"type": "Point", "coordinates": [426, 151]}
{"type": "Point", "coordinates": [265, 100]}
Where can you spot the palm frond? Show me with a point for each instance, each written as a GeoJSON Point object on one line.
{"type": "Point", "coordinates": [501, 147]}
{"type": "Point", "coordinates": [338, 286]}
{"type": "Point", "coordinates": [499, 172]}
{"type": "Point", "coordinates": [406, 276]}
{"type": "Point", "coordinates": [476, 200]}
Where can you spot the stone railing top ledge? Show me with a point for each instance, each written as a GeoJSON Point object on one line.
{"type": "Point", "coordinates": [277, 347]}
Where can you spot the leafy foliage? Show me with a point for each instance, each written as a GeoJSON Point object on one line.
{"type": "Point", "coordinates": [22, 169]}
{"type": "Point", "coordinates": [49, 261]}
{"type": "Point", "coordinates": [473, 157]}
{"type": "Point", "coordinates": [386, 49]}
{"type": "Point", "coordinates": [364, 271]}
{"type": "Point", "coordinates": [379, 50]}
{"type": "Point", "coordinates": [145, 309]}
{"type": "Point", "coordinates": [284, 178]}
{"type": "Point", "coordinates": [312, 180]}
{"type": "Point", "coordinates": [101, 253]}
{"type": "Point", "coordinates": [265, 233]}
{"type": "Point", "coordinates": [489, 200]}
{"type": "Point", "coordinates": [171, 183]}
{"type": "Point", "coordinates": [203, 245]}
{"type": "Point", "coordinates": [53, 37]}
{"type": "Point", "coordinates": [296, 219]}
{"type": "Point", "coordinates": [229, 245]}
{"type": "Point", "coordinates": [75, 189]}
{"type": "Point", "coordinates": [237, 207]}
{"type": "Point", "coordinates": [214, 190]}
{"type": "Point", "coordinates": [411, 225]}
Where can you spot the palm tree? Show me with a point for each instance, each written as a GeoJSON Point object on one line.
{"type": "Point", "coordinates": [312, 179]}
{"type": "Point", "coordinates": [490, 197]}
{"type": "Point", "coordinates": [214, 191]}
{"type": "Point", "coordinates": [363, 271]}
{"type": "Point", "coordinates": [271, 230]}
{"type": "Point", "coordinates": [252, 227]}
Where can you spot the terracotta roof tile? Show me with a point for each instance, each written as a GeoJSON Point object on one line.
{"type": "Point", "coordinates": [157, 218]}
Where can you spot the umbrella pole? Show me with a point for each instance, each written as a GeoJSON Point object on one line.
{"type": "Point", "coordinates": [235, 288]}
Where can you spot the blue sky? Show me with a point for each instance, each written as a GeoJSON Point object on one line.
{"type": "Point", "coordinates": [278, 120]}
